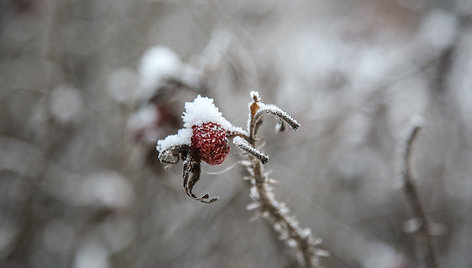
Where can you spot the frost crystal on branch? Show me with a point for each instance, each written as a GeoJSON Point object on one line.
{"type": "Point", "coordinates": [259, 109]}
{"type": "Point", "coordinates": [277, 112]}
{"type": "Point", "coordinates": [245, 146]}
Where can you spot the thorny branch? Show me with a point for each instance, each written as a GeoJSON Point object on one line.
{"type": "Point", "coordinates": [414, 200]}
{"type": "Point", "coordinates": [274, 211]}
{"type": "Point", "coordinates": [207, 139]}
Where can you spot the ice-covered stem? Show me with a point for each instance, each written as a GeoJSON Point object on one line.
{"type": "Point", "coordinates": [412, 195]}
{"type": "Point", "coordinates": [250, 149]}
{"type": "Point", "coordinates": [274, 211]}
{"type": "Point", "coordinates": [259, 109]}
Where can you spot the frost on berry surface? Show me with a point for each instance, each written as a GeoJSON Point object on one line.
{"type": "Point", "coordinates": [209, 143]}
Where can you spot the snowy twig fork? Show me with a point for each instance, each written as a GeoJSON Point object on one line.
{"type": "Point", "coordinates": [205, 137]}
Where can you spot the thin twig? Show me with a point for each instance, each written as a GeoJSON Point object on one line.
{"type": "Point", "coordinates": [273, 210]}
{"type": "Point", "coordinates": [411, 191]}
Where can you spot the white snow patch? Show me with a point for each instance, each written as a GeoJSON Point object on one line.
{"type": "Point", "coordinates": [203, 110]}
{"type": "Point", "coordinates": [122, 84]}
{"type": "Point", "coordinates": [380, 255]}
{"type": "Point", "coordinates": [105, 188]}
{"type": "Point", "coordinates": [65, 103]}
{"type": "Point", "coordinates": [143, 122]}
{"type": "Point", "coordinates": [157, 63]}
{"type": "Point", "coordinates": [91, 255]}
{"type": "Point", "coordinates": [438, 29]}
{"type": "Point", "coordinates": [142, 118]}
{"type": "Point", "coordinates": [183, 136]}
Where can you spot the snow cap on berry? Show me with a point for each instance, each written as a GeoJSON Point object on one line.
{"type": "Point", "coordinates": [203, 110]}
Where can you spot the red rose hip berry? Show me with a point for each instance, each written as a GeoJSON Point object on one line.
{"type": "Point", "coordinates": [209, 143]}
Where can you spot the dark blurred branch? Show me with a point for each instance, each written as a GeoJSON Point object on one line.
{"type": "Point", "coordinates": [29, 219]}
{"type": "Point", "coordinates": [414, 200]}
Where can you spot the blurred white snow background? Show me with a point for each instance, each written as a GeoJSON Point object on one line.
{"type": "Point", "coordinates": [88, 87]}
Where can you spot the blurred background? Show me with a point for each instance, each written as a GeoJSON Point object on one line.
{"type": "Point", "coordinates": [87, 87]}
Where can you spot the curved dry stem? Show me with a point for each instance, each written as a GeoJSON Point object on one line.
{"type": "Point", "coordinates": [411, 191]}
{"type": "Point", "coordinates": [191, 174]}
{"type": "Point", "coordinates": [263, 109]}
{"type": "Point", "coordinates": [231, 134]}
{"type": "Point", "coordinates": [171, 155]}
